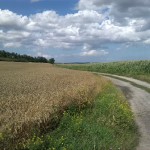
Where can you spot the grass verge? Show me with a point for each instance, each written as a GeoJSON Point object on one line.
{"type": "Point", "coordinates": [101, 125]}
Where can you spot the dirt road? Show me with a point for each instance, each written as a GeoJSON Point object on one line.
{"type": "Point", "coordinates": [139, 100]}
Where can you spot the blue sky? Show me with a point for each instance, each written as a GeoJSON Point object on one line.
{"type": "Point", "coordinates": [77, 30]}
{"type": "Point", "coordinates": [26, 7]}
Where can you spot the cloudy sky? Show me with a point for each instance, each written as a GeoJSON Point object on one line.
{"type": "Point", "coordinates": [77, 30]}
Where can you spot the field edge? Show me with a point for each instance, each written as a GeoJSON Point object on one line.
{"type": "Point", "coordinates": [108, 120]}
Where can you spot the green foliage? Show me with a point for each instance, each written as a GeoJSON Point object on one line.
{"type": "Point", "coordinates": [51, 61]}
{"type": "Point", "coordinates": [105, 124]}
{"type": "Point", "coordinates": [136, 69]}
{"type": "Point", "coordinates": [1, 136]}
{"type": "Point", "coordinates": [7, 56]}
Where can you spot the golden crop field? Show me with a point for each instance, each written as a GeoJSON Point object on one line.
{"type": "Point", "coordinates": [30, 94]}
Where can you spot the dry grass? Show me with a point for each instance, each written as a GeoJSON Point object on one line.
{"type": "Point", "coordinates": [30, 94]}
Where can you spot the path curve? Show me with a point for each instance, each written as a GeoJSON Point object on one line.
{"type": "Point", "coordinates": [139, 100]}
{"type": "Point", "coordinates": [139, 82]}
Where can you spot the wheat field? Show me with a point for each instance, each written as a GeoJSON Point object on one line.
{"type": "Point", "coordinates": [30, 95]}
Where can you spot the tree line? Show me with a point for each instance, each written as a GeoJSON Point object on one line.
{"type": "Point", "coordinates": [8, 56]}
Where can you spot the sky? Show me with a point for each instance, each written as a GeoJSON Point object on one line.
{"type": "Point", "coordinates": [77, 30]}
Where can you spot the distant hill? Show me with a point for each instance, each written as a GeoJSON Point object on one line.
{"type": "Point", "coordinates": [77, 63]}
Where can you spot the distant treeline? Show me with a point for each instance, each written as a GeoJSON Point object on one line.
{"type": "Point", "coordinates": [7, 56]}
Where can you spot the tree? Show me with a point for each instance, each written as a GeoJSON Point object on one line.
{"type": "Point", "coordinates": [51, 61]}
{"type": "Point", "coordinates": [41, 59]}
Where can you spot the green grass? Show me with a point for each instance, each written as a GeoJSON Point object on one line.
{"type": "Point", "coordinates": [106, 123]}
{"type": "Point", "coordinates": [136, 69]}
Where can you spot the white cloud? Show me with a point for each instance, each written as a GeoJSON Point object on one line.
{"type": "Point", "coordinates": [120, 10]}
{"type": "Point", "coordinates": [10, 20]}
{"type": "Point", "coordinates": [86, 5]}
{"type": "Point", "coordinates": [94, 53]}
{"type": "Point", "coordinates": [12, 45]}
{"type": "Point", "coordinates": [44, 55]}
{"type": "Point", "coordinates": [147, 41]}
{"type": "Point", "coordinates": [86, 30]}
{"type": "Point", "coordinates": [33, 1]}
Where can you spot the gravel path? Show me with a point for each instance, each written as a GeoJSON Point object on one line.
{"type": "Point", "coordinates": [139, 100]}
{"type": "Point", "coordinates": [142, 83]}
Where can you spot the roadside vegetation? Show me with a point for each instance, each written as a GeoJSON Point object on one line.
{"type": "Point", "coordinates": [49, 108]}
{"type": "Point", "coordinates": [136, 69]}
{"type": "Point", "coordinates": [105, 123]}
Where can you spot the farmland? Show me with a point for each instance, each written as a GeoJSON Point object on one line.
{"type": "Point", "coordinates": [34, 98]}
{"type": "Point", "coordinates": [136, 69]}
